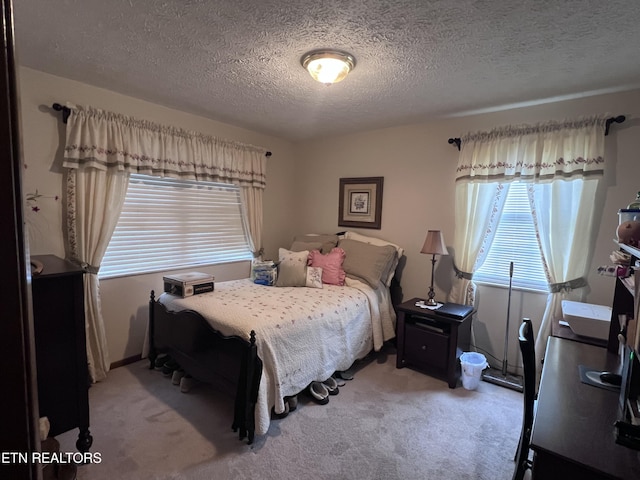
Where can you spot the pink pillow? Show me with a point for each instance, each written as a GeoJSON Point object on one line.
{"type": "Point", "coordinates": [331, 264]}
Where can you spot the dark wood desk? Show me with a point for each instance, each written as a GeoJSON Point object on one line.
{"type": "Point", "coordinates": [573, 433]}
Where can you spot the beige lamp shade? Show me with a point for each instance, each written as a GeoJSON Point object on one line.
{"type": "Point", "coordinates": [434, 243]}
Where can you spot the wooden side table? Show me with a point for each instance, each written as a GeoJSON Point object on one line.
{"type": "Point", "coordinates": [431, 341]}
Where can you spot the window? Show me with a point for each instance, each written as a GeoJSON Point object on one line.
{"type": "Point", "coordinates": [168, 224]}
{"type": "Point", "coordinates": [515, 241]}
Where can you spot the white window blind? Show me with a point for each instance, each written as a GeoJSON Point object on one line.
{"type": "Point", "coordinates": [515, 241]}
{"type": "Point", "coordinates": [168, 224]}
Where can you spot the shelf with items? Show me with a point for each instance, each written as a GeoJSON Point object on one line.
{"type": "Point", "coordinates": [622, 311]}
{"type": "Point", "coordinates": [629, 249]}
{"type": "Point", "coordinates": [625, 304]}
{"type": "Point", "coordinates": [624, 338]}
{"type": "Point", "coordinates": [633, 251]}
{"type": "Point", "coordinates": [629, 283]}
{"type": "Point", "coordinates": [628, 425]}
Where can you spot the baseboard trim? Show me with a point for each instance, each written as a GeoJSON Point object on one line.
{"type": "Point", "coordinates": [126, 361]}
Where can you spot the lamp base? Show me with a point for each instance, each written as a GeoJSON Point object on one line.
{"type": "Point", "coordinates": [431, 302]}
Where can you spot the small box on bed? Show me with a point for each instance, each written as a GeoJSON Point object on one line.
{"type": "Point", "coordinates": [188, 284]}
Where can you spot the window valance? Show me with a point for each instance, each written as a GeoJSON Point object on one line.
{"type": "Point", "coordinates": [109, 141]}
{"type": "Point", "coordinates": [541, 152]}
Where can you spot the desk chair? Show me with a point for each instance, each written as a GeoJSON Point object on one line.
{"type": "Point", "coordinates": [527, 348]}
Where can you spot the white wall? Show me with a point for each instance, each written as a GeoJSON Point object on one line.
{"type": "Point", "coordinates": [124, 300]}
{"type": "Point", "coordinates": [418, 166]}
{"type": "Point", "coordinates": [416, 161]}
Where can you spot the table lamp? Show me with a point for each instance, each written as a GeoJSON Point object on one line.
{"type": "Point", "coordinates": [434, 245]}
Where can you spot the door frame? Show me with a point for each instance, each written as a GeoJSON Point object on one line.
{"type": "Point", "coordinates": [20, 432]}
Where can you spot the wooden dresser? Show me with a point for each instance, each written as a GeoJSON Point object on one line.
{"type": "Point", "coordinates": [61, 353]}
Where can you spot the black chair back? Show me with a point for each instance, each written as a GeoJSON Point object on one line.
{"type": "Point", "coordinates": [527, 348]}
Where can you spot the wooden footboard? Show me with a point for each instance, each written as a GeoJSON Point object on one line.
{"type": "Point", "coordinates": [230, 363]}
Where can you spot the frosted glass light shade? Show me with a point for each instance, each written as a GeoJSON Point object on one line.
{"type": "Point", "coordinates": [328, 66]}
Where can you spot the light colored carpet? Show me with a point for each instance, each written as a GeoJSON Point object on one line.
{"type": "Point", "coordinates": [384, 424]}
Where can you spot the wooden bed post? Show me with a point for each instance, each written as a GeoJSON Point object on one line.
{"type": "Point", "coordinates": [252, 385]}
{"type": "Point", "coordinates": [247, 391]}
{"type": "Point", "coordinates": [152, 348]}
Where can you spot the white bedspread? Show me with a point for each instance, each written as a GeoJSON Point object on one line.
{"type": "Point", "coordinates": [302, 334]}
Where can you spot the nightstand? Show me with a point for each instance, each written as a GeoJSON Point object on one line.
{"type": "Point", "coordinates": [431, 341]}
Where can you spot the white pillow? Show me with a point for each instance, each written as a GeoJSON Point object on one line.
{"type": "Point", "coordinates": [381, 243]}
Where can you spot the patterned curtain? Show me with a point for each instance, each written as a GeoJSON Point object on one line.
{"type": "Point", "coordinates": [563, 161]}
{"type": "Point", "coordinates": [94, 203]}
{"type": "Point", "coordinates": [102, 149]}
{"type": "Point", "coordinates": [478, 206]}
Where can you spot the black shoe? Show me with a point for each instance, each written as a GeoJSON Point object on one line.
{"type": "Point", "coordinates": [345, 374]}
{"type": "Point", "coordinates": [169, 367]}
{"type": "Point", "coordinates": [319, 393]}
{"type": "Point", "coordinates": [283, 414]}
{"type": "Point", "coordinates": [161, 360]}
{"type": "Point", "coordinates": [332, 386]}
{"type": "Point", "coordinates": [292, 402]}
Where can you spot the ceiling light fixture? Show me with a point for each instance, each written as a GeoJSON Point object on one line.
{"type": "Point", "coordinates": [328, 66]}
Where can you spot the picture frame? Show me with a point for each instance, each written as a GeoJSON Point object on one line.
{"type": "Point", "coordinates": [360, 202]}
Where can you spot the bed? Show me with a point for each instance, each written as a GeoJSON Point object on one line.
{"type": "Point", "coordinates": [265, 343]}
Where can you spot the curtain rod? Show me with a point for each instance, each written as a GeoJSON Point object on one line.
{"type": "Point", "coordinates": [607, 125]}
{"type": "Point", "coordinates": [66, 111]}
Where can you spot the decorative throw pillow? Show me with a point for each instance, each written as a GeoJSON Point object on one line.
{"type": "Point", "coordinates": [331, 264]}
{"type": "Point", "coordinates": [367, 262]}
{"type": "Point", "coordinates": [314, 277]}
{"type": "Point", "coordinates": [328, 241]}
{"type": "Point", "coordinates": [377, 241]}
{"type": "Point", "coordinates": [299, 246]}
{"type": "Point", "coordinates": [292, 269]}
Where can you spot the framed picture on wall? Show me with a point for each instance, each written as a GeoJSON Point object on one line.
{"type": "Point", "coordinates": [360, 202]}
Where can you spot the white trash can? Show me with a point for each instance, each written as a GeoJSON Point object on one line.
{"type": "Point", "coordinates": [472, 364]}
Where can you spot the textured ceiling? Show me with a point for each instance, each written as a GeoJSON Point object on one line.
{"type": "Point", "coordinates": [238, 61]}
